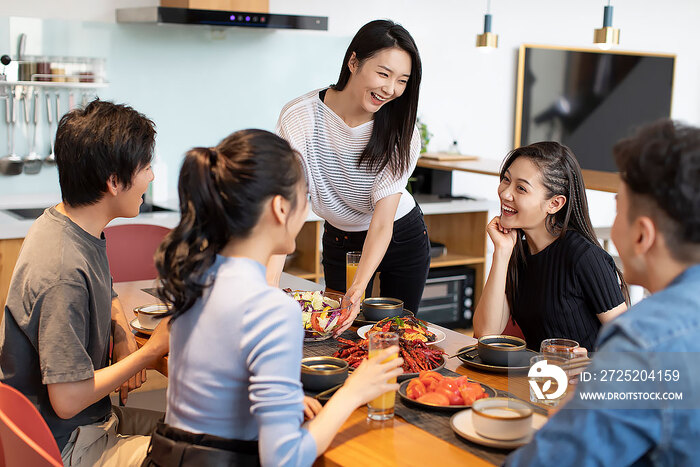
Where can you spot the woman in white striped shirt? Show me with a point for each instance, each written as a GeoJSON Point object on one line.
{"type": "Point", "coordinates": [359, 144]}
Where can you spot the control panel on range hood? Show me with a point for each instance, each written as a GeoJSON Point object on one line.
{"type": "Point", "coordinates": [167, 15]}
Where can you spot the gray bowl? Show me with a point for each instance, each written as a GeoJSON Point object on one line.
{"type": "Point", "coordinates": [498, 349]}
{"type": "Point", "coordinates": [378, 308]}
{"type": "Point", "coordinates": [325, 373]}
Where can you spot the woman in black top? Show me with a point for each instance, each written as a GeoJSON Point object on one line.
{"type": "Point", "coordinates": [548, 270]}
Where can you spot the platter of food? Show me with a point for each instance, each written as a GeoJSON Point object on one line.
{"type": "Point", "coordinates": [408, 328]}
{"type": "Point", "coordinates": [434, 391]}
{"type": "Point", "coordinates": [417, 356]}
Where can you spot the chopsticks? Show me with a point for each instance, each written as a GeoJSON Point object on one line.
{"type": "Point", "coordinates": [328, 391]}
{"type": "Point", "coordinates": [462, 352]}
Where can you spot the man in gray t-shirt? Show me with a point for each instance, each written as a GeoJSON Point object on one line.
{"type": "Point", "coordinates": [61, 309]}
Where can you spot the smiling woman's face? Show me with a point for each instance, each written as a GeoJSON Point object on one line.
{"type": "Point", "coordinates": [381, 78]}
{"type": "Point", "coordinates": [523, 196]}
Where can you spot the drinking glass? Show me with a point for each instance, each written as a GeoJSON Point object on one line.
{"type": "Point", "coordinates": [540, 381]}
{"type": "Point", "coordinates": [565, 348]}
{"type": "Point", "coordinates": [352, 261]}
{"type": "Point", "coordinates": [382, 408]}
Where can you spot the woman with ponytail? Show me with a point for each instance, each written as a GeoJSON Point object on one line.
{"type": "Point", "coordinates": [358, 143]}
{"type": "Point", "coordinates": [548, 271]}
{"type": "Point", "coordinates": [234, 392]}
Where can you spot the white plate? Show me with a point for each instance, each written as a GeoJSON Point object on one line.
{"type": "Point", "coordinates": [461, 423]}
{"type": "Point", "coordinates": [439, 335]}
{"type": "Point", "coordinates": [136, 325]}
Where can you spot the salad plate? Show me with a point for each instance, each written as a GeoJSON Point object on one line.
{"type": "Point", "coordinates": [321, 312]}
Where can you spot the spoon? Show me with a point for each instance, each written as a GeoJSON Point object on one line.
{"type": "Point", "coordinates": [11, 164]}
{"type": "Point", "coordinates": [33, 161]}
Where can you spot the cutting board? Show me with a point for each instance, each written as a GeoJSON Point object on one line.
{"type": "Point", "coordinates": [448, 156]}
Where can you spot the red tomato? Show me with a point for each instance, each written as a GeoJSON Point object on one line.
{"type": "Point", "coordinates": [461, 381]}
{"type": "Point", "coordinates": [453, 396]}
{"type": "Point", "coordinates": [471, 392]}
{"type": "Point", "coordinates": [448, 387]}
{"type": "Point", "coordinates": [430, 379]}
{"type": "Point", "coordinates": [434, 398]}
{"type": "Point", "coordinates": [415, 389]}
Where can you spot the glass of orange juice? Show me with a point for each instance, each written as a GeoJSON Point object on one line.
{"type": "Point", "coordinates": [352, 261]}
{"type": "Point", "coordinates": [382, 408]}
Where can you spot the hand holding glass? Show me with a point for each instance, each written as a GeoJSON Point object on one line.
{"type": "Point", "coordinates": [382, 408]}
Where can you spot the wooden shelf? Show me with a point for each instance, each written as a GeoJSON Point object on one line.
{"type": "Point", "coordinates": [455, 259]}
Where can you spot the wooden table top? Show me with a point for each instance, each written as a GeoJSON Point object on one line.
{"type": "Point", "coordinates": [364, 442]}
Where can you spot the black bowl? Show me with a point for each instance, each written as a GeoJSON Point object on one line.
{"type": "Point", "coordinates": [378, 308]}
{"type": "Point", "coordinates": [497, 350]}
{"type": "Point", "coordinates": [325, 373]}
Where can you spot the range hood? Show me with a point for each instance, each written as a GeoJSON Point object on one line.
{"type": "Point", "coordinates": [170, 15]}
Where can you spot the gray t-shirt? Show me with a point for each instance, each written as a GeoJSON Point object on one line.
{"type": "Point", "coordinates": [57, 318]}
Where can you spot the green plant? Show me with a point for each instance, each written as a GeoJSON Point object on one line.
{"type": "Point", "coordinates": [425, 135]}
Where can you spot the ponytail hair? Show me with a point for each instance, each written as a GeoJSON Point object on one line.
{"type": "Point", "coordinates": [561, 175]}
{"type": "Point", "coordinates": [222, 191]}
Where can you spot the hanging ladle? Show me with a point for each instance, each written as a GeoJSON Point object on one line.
{"type": "Point", "coordinates": [11, 164]}
{"type": "Point", "coordinates": [33, 161]}
{"type": "Point", "coordinates": [51, 158]}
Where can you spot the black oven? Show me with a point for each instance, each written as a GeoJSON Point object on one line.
{"type": "Point", "coordinates": [448, 297]}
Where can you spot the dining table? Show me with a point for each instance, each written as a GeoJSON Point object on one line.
{"type": "Point", "coordinates": [361, 441]}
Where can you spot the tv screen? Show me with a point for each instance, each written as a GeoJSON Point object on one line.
{"type": "Point", "coordinates": [589, 99]}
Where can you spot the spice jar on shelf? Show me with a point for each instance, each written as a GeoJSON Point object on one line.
{"type": "Point", "coordinates": [58, 69]}
{"type": "Point", "coordinates": [43, 68]}
{"type": "Point", "coordinates": [99, 69]}
{"type": "Point", "coordinates": [85, 71]}
{"type": "Point", "coordinates": [27, 68]}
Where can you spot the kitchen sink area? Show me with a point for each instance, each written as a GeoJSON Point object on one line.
{"type": "Point", "coordinates": [32, 213]}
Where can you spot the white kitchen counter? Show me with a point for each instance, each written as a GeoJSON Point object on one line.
{"type": "Point", "coordinates": [13, 227]}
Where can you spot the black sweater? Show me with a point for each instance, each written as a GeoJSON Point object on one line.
{"type": "Point", "coordinates": [562, 288]}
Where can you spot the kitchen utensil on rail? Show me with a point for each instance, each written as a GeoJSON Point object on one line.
{"type": "Point", "coordinates": [11, 164]}
{"type": "Point", "coordinates": [33, 161]}
{"type": "Point", "coordinates": [51, 158]}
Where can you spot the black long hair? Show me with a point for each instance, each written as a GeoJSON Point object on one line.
{"type": "Point", "coordinates": [561, 175]}
{"type": "Point", "coordinates": [222, 191]}
{"type": "Point", "coordinates": [395, 121]}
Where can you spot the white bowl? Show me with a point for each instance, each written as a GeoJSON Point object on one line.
{"type": "Point", "coordinates": [149, 315]}
{"type": "Point", "coordinates": [502, 418]}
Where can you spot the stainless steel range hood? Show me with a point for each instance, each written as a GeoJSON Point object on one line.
{"type": "Point", "coordinates": [169, 15]}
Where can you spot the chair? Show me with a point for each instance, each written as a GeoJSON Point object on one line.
{"type": "Point", "coordinates": [130, 250]}
{"type": "Point", "coordinates": [512, 329]}
{"type": "Point", "coordinates": [25, 438]}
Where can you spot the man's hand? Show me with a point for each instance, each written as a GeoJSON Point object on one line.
{"type": "Point", "coordinates": [124, 344]}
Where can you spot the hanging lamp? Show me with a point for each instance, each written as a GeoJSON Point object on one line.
{"type": "Point", "coordinates": [487, 40]}
{"type": "Point", "coordinates": [607, 36]}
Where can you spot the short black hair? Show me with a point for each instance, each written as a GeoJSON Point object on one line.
{"type": "Point", "coordinates": [99, 141]}
{"type": "Point", "coordinates": [661, 167]}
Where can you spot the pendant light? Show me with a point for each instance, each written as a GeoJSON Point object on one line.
{"type": "Point", "coordinates": [487, 40]}
{"type": "Point", "coordinates": [607, 36]}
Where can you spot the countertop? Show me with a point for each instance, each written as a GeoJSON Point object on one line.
{"type": "Point", "coordinates": [13, 227]}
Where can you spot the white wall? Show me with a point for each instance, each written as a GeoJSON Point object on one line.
{"type": "Point", "coordinates": [466, 95]}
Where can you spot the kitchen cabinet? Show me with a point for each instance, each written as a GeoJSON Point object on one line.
{"type": "Point", "coordinates": [9, 252]}
{"type": "Point", "coordinates": [459, 224]}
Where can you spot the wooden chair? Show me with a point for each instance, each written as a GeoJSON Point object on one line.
{"type": "Point", "coordinates": [130, 250]}
{"type": "Point", "coordinates": [25, 438]}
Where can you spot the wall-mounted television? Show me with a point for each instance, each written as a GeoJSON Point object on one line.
{"type": "Point", "coordinates": [588, 99]}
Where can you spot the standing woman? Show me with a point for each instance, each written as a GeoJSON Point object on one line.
{"type": "Point", "coordinates": [234, 395]}
{"type": "Point", "coordinates": [548, 270]}
{"type": "Point", "coordinates": [359, 144]}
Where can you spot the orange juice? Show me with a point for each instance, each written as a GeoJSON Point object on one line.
{"type": "Point", "coordinates": [385, 401]}
{"type": "Point", "coordinates": [350, 271]}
